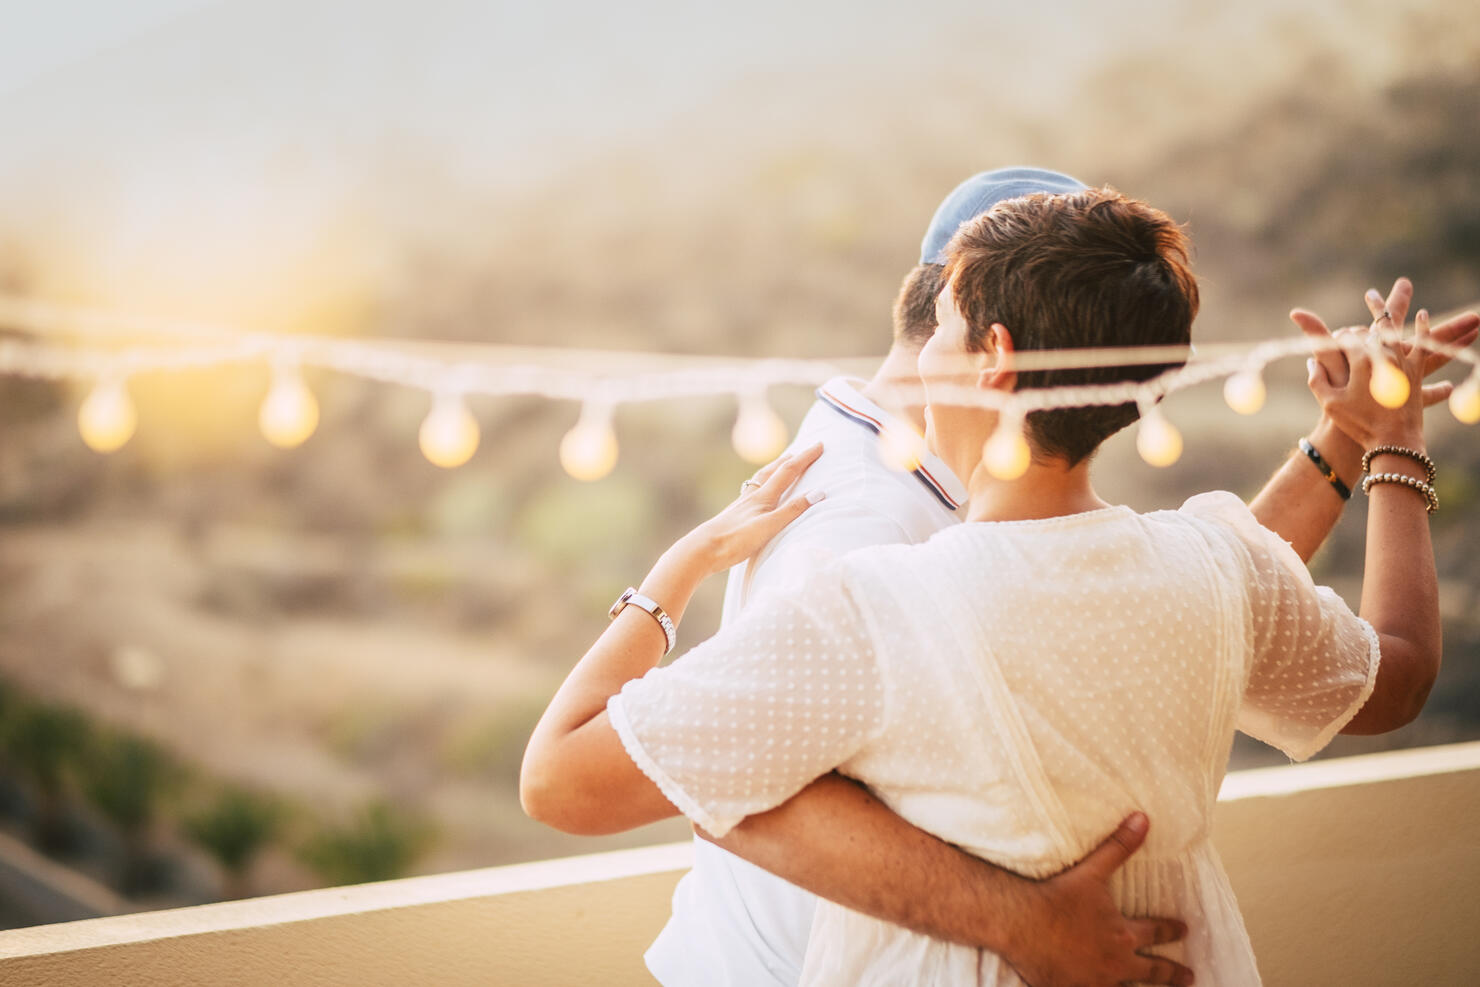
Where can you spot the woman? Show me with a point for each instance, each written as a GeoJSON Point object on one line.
{"type": "Point", "coordinates": [1021, 682]}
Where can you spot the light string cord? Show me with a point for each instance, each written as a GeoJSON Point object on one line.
{"type": "Point", "coordinates": [450, 435]}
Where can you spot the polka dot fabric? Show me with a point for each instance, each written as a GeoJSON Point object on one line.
{"type": "Point", "coordinates": [1017, 688]}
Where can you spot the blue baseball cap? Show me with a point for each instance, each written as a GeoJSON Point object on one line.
{"type": "Point", "coordinates": [981, 192]}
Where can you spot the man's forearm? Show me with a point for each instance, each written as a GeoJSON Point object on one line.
{"type": "Point", "coordinates": [1298, 503]}
{"type": "Point", "coordinates": [839, 842]}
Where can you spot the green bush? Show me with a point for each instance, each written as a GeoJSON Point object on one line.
{"type": "Point", "coordinates": [44, 744]}
{"type": "Point", "coordinates": [126, 778]}
{"type": "Point", "coordinates": [233, 829]}
{"type": "Point", "coordinates": [379, 844]}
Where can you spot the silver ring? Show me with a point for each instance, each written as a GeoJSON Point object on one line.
{"type": "Point", "coordinates": [746, 485]}
{"type": "Point", "coordinates": [1384, 315]}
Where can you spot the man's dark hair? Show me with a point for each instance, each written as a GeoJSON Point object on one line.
{"type": "Point", "coordinates": [1080, 269]}
{"type": "Point", "coordinates": [914, 309]}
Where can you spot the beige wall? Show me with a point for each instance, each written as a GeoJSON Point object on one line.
{"type": "Point", "coordinates": [1362, 871]}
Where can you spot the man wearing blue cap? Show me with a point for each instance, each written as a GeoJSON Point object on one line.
{"type": "Point", "coordinates": [735, 923]}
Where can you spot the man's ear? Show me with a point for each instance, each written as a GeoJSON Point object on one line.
{"type": "Point", "coordinates": [1001, 374]}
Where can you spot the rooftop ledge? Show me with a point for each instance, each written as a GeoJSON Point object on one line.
{"type": "Point", "coordinates": [1360, 870]}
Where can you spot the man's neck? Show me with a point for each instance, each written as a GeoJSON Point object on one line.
{"type": "Point", "coordinates": [1047, 489]}
{"type": "Point", "coordinates": [896, 387]}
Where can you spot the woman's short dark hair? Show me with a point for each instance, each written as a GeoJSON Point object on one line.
{"type": "Point", "coordinates": [914, 309]}
{"type": "Point", "coordinates": [1080, 269]}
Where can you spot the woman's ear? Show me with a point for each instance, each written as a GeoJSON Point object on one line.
{"type": "Point", "coordinates": [1001, 374]}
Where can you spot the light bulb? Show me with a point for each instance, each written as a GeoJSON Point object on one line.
{"type": "Point", "coordinates": [1389, 385]}
{"type": "Point", "coordinates": [901, 449]}
{"type": "Point", "coordinates": [1157, 440]}
{"type": "Point", "coordinates": [589, 450]}
{"type": "Point", "coordinates": [1006, 454]}
{"type": "Point", "coordinates": [449, 435]}
{"type": "Point", "coordinates": [289, 413]}
{"type": "Point", "coordinates": [1244, 392]}
{"type": "Point", "coordinates": [759, 434]}
{"type": "Point", "coordinates": [1464, 400]}
{"type": "Point", "coordinates": [107, 418]}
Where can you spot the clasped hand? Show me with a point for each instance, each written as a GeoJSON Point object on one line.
{"type": "Point", "coordinates": [1343, 365]}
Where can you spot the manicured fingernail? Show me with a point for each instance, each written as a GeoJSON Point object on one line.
{"type": "Point", "coordinates": [1310, 365]}
{"type": "Point", "coordinates": [1373, 295]}
{"type": "Point", "coordinates": [815, 495]}
{"type": "Point", "coordinates": [1137, 822]}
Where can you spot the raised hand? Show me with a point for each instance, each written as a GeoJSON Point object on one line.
{"type": "Point", "coordinates": [1459, 331]}
{"type": "Point", "coordinates": [1351, 405]}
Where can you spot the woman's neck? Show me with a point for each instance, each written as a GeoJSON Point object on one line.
{"type": "Point", "coordinates": [1046, 490]}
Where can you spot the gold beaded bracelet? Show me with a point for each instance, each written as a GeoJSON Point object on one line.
{"type": "Point", "coordinates": [1426, 489]}
{"type": "Point", "coordinates": [1413, 454]}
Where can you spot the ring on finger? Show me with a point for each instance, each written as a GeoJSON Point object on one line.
{"type": "Point", "coordinates": [746, 485]}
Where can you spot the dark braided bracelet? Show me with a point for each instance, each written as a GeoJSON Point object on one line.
{"type": "Point", "coordinates": [1325, 468]}
{"type": "Point", "coordinates": [1413, 454]}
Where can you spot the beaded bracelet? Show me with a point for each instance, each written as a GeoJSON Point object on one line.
{"type": "Point", "coordinates": [1330, 474]}
{"type": "Point", "coordinates": [1413, 454]}
{"type": "Point", "coordinates": [1427, 490]}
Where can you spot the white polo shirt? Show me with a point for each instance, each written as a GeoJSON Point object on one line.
{"type": "Point", "coordinates": [733, 924]}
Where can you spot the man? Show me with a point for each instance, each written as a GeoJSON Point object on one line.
{"type": "Point", "coordinates": [736, 924]}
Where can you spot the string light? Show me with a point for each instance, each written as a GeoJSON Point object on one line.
{"type": "Point", "coordinates": [901, 449]}
{"type": "Point", "coordinates": [759, 434]}
{"type": "Point", "coordinates": [1244, 391]}
{"type": "Point", "coordinates": [1464, 400]}
{"type": "Point", "coordinates": [588, 451]}
{"type": "Point", "coordinates": [1389, 385]}
{"type": "Point", "coordinates": [1006, 454]}
{"type": "Point", "coordinates": [1157, 440]}
{"type": "Point", "coordinates": [289, 413]}
{"type": "Point", "coordinates": [449, 435]}
{"type": "Point", "coordinates": [107, 418]}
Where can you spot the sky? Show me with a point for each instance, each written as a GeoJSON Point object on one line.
{"type": "Point", "coordinates": [154, 141]}
{"type": "Point", "coordinates": [41, 39]}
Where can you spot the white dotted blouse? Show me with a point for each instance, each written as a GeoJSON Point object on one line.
{"type": "Point", "coordinates": [1017, 688]}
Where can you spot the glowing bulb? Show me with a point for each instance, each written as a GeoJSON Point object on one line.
{"type": "Point", "coordinates": [1006, 454]}
{"type": "Point", "coordinates": [1389, 384]}
{"type": "Point", "coordinates": [1157, 440]}
{"type": "Point", "coordinates": [589, 450]}
{"type": "Point", "coordinates": [901, 449]}
{"type": "Point", "coordinates": [107, 418]}
{"type": "Point", "coordinates": [1464, 400]}
{"type": "Point", "coordinates": [1244, 392]}
{"type": "Point", "coordinates": [449, 436]}
{"type": "Point", "coordinates": [759, 434]}
{"type": "Point", "coordinates": [289, 413]}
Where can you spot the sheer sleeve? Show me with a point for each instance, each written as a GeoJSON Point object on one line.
{"type": "Point", "coordinates": [1312, 662]}
{"type": "Point", "coordinates": [745, 720]}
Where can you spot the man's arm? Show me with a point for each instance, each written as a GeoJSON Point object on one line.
{"type": "Point", "coordinates": [1298, 503]}
{"type": "Point", "coordinates": [838, 841]}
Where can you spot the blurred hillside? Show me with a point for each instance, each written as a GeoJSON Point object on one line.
{"type": "Point", "coordinates": [346, 623]}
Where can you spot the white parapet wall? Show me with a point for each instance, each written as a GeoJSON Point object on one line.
{"type": "Point", "coordinates": [1359, 871]}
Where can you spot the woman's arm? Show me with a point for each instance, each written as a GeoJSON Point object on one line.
{"type": "Point", "coordinates": [1400, 596]}
{"type": "Point", "coordinates": [576, 776]}
{"type": "Point", "coordinates": [1298, 503]}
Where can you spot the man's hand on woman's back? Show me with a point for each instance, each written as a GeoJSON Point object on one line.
{"type": "Point", "coordinates": [1075, 936]}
